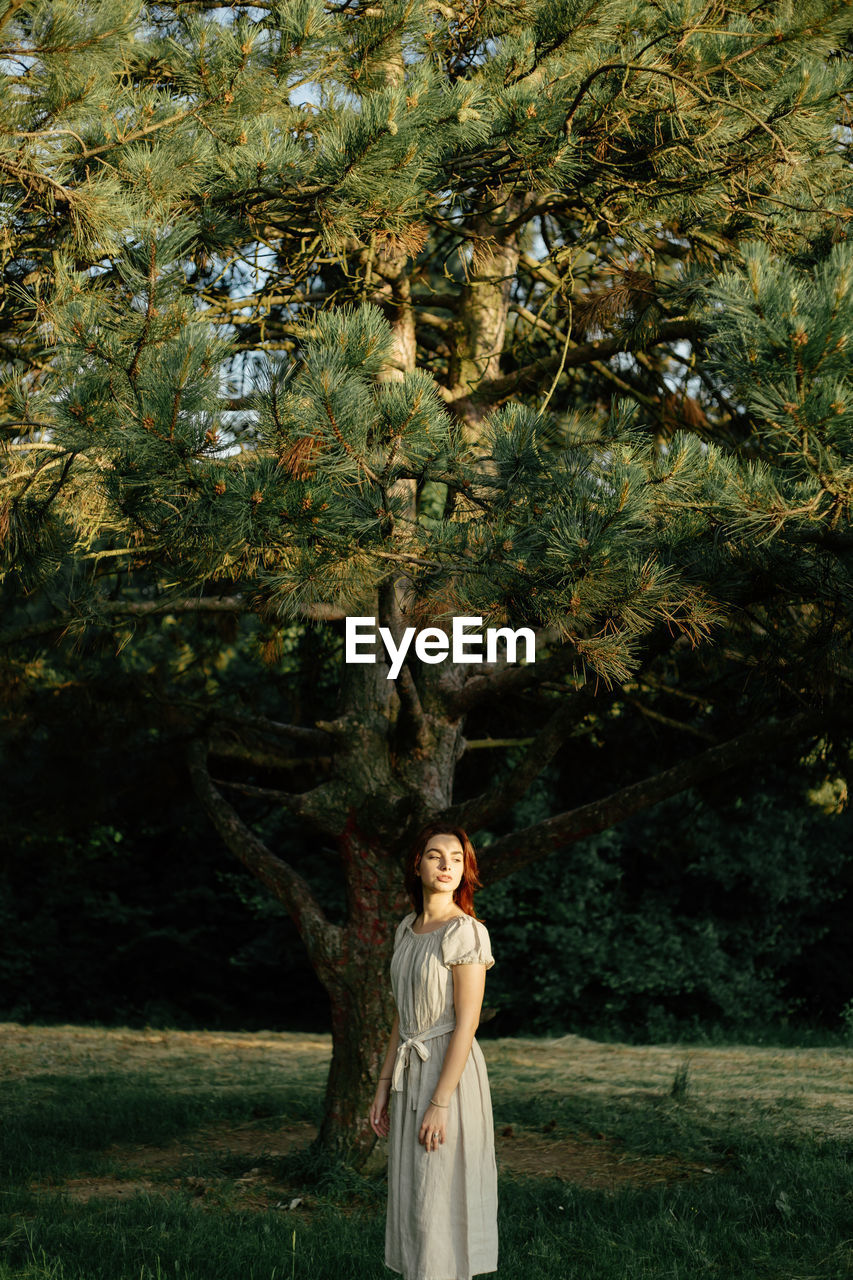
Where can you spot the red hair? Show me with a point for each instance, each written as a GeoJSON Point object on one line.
{"type": "Point", "coordinates": [463, 895]}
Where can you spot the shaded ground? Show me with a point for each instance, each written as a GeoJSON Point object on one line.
{"type": "Point", "coordinates": [582, 1161]}
{"type": "Point", "coordinates": [808, 1088]}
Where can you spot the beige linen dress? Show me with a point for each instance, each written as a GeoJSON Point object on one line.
{"type": "Point", "coordinates": [442, 1204]}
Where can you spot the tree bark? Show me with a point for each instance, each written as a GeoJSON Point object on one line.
{"type": "Point", "coordinates": [481, 316]}
{"type": "Point", "coordinates": [362, 1008]}
{"type": "Point", "coordinates": [351, 960]}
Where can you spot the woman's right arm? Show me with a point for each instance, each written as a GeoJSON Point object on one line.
{"type": "Point", "coordinates": [380, 1121]}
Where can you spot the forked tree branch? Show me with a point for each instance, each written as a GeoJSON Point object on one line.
{"type": "Point", "coordinates": [531, 375]}
{"type": "Point", "coordinates": [322, 939]}
{"type": "Point", "coordinates": [484, 809]}
{"type": "Point", "coordinates": [410, 701]}
{"type": "Point", "coordinates": [391, 617]}
{"type": "Point", "coordinates": [511, 852]}
{"type": "Point", "coordinates": [288, 800]}
{"type": "Point", "coordinates": [300, 735]}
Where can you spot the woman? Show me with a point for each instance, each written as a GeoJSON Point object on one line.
{"type": "Point", "coordinates": [442, 1180]}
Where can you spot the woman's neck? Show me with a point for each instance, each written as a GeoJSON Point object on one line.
{"type": "Point", "coordinates": [438, 906]}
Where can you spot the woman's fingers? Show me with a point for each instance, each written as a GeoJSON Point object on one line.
{"type": "Point", "coordinates": [431, 1137]}
{"type": "Point", "coordinates": [380, 1121]}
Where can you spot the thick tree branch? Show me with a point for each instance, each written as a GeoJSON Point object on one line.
{"type": "Point", "coordinates": [504, 679]}
{"type": "Point", "coordinates": [390, 616]}
{"type": "Point", "coordinates": [199, 604]}
{"type": "Point", "coordinates": [484, 809]}
{"type": "Point", "coordinates": [289, 800]}
{"type": "Point", "coordinates": [311, 739]}
{"type": "Point", "coordinates": [122, 609]}
{"type": "Point", "coordinates": [410, 701]}
{"type": "Point", "coordinates": [516, 850]}
{"type": "Point", "coordinates": [268, 757]}
{"type": "Point", "coordinates": [114, 609]}
{"type": "Point", "coordinates": [323, 940]}
{"type": "Point", "coordinates": [531, 375]}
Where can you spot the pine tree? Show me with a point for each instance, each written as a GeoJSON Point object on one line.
{"type": "Point", "coordinates": [535, 313]}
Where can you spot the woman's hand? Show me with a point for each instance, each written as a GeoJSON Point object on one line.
{"type": "Point", "coordinates": [433, 1128]}
{"type": "Point", "coordinates": [380, 1121]}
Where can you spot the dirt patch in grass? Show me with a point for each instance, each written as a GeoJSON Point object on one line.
{"type": "Point", "coordinates": [581, 1160]}
{"type": "Point", "coordinates": [586, 1161]}
{"type": "Point", "coordinates": [154, 1170]}
{"type": "Point", "coordinates": [250, 1139]}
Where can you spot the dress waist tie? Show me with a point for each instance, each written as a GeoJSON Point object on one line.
{"type": "Point", "coordinates": [404, 1053]}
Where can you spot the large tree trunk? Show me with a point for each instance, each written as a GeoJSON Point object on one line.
{"type": "Point", "coordinates": [360, 997]}
{"type": "Point", "coordinates": [387, 804]}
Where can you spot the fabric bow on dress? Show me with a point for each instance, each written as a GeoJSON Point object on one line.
{"type": "Point", "coordinates": [404, 1055]}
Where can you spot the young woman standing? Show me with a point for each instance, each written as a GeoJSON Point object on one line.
{"type": "Point", "coordinates": [442, 1180]}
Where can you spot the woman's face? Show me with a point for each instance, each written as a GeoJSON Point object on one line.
{"type": "Point", "coordinates": [441, 865]}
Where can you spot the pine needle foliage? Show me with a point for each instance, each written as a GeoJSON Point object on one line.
{"type": "Point", "coordinates": [782, 335]}
{"type": "Point", "coordinates": [191, 195]}
{"type": "Point", "coordinates": [318, 511]}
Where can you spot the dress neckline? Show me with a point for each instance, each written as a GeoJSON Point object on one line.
{"type": "Point", "coordinates": [461, 916]}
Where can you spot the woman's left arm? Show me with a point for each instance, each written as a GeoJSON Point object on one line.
{"type": "Point", "coordinates": [469, 984]}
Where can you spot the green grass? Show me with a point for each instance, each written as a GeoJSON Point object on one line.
{"type": "Point", "coordinates": [741, 1226]}
{"type": "Point", "coordinates": [59, 1126]}
{"type": "Point", "coordinates": [775, 1204]}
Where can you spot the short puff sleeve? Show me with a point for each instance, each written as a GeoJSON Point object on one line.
{"type": "Point", "coordinates": [466, 941]}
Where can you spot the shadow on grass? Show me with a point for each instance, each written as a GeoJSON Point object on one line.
{"type": "Point", "coordinates": [60, 1125]}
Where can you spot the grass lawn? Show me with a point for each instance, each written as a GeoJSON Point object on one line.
{"type": "Point", "coordinates": [142, 1155]}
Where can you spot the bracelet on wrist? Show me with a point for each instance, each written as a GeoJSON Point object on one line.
{"type": "Point", "coordinates": [443, 1105]}
{"type": "Point", "coordinates": [385, 1077]}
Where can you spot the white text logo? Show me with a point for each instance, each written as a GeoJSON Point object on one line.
{"type": "Point", "coordinates": [464, 644]}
